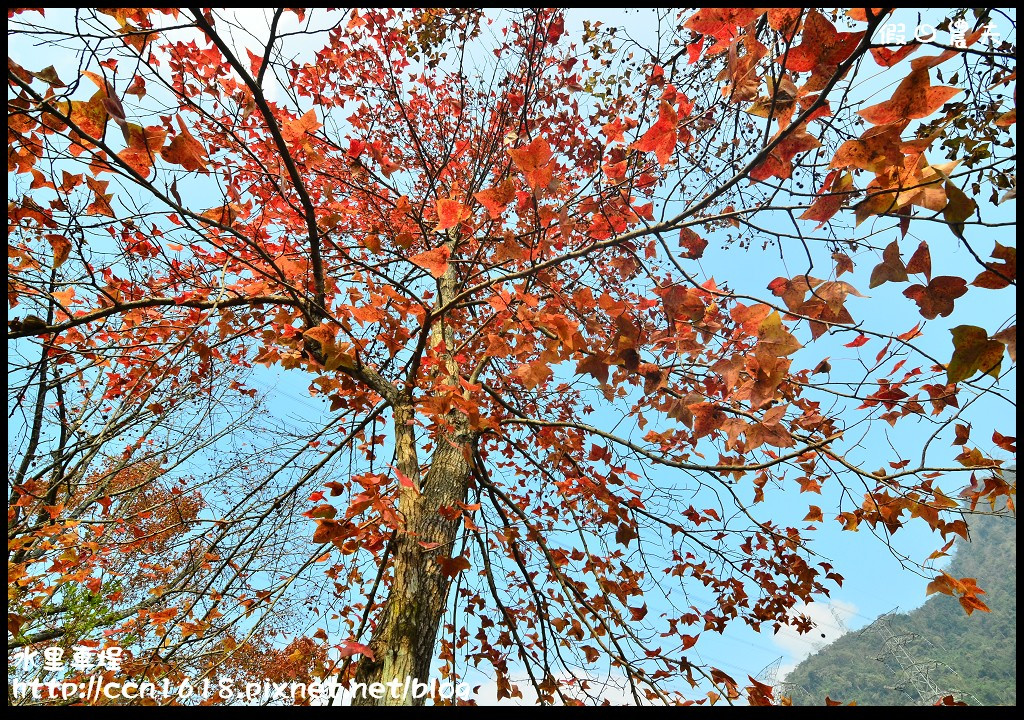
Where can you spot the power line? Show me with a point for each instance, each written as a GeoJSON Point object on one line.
{"type": "Point", "coordinates": [915, 673]}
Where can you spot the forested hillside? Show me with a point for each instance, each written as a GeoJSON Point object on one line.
{"type": "Point", "coordinates": [974, 655]}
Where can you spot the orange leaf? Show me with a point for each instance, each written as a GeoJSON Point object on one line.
{"type": "Point", "coordinates": [887, 57]}
{"type": "Point", "coordinates": [830, 198]}
{"type": "Point", "coordinates": [914, 98]}
{"type": "Point", "coordinates": [433, 261]}
{"type": "Point", "coordinates": [144, 145]}
{"type": "Point", "coordinates": [813, 514]}
{"type": "Point", "coordinates": [61, 249]}
{"type": "Point", "coordinates": [450, 213]}
{"type": "Point", "coordinates": [773, 336]}
{"type": "Point", "coordinates": [295, 130]}
{"type": "Point", "coordinates": [534, 160]}
{"type": "Point", "coordinates": [186, 151]}
{"type": "Point", "coordinates": [821, 47]}
{"type": "Point", "coordinates": [495, 199]}
{"type": "Point", "coordinates": [90, 115]}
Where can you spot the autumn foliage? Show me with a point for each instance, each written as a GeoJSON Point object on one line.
{"type": "Point", "coordinates": [565, 424]}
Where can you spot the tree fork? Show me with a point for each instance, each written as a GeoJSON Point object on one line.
{"type": "Point", "coordinates": [404, 638]}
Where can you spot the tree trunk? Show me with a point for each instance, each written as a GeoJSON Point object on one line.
{"type": "Point", "coordinates": [403, 641]}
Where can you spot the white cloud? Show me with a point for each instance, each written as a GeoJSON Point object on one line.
{"type": "Point", "coordinates": [827, 628]}
{"type": "Point", "coordinates": [614, 689]}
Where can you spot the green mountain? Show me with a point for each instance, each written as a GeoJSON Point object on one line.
{"type": "Point", "coordinates": [935, 648]}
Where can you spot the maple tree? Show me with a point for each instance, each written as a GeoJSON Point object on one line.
{"type": "Point", "coordinates": [461, 230]}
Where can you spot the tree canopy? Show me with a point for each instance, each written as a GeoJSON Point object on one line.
{"type": "Point", "coordinates": [517, 258]}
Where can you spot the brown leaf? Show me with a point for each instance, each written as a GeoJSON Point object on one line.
{"type": "Point", "coordinates": [921, 261]}
{"type": "Point", "coordinates": [936, 298]}
{"type": "Point", "coordinates": [958, 209]}
{"type": "Point", "coordinates": [963, 434]}
{"type": "Point", "coordinates": [453, 566]}
{"type": "Point", "coordinates": [999, 275]}
{"type": "Point", "coordinates": [693, 243]}
{"type": "Point", "coordinates": [1008, 337]}
{"type": "Point", "coordinates": [973, 351]}
{"type": "Point", "coordinates": [61, 247]}
{"type": "Point", "coordinates": [891, 269]}
{"type": "Point", "coordinates": [624, 534]}
{"type": "Point", "coordinates": [773, 335]}
{"type": "Point", "coordinates": [843, 263]}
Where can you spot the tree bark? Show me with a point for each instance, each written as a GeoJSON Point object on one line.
{"type": "Point", "coordinates": [406, 633]}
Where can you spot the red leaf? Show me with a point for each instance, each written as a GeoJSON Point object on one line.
{"type": "Point", "coordinates": [660, 138]}
{"type": "Point", "coordinates": [693, 243]}
{"type": "Point", "coordinates": [779, 162]}
{"type": "Point", "coordinates": [349, 648]}
{"type": "Point", "coordinates": [404, 480]}
{"type": "Point", "coordinates": [857, 342]}
{"type": "Point", "coordinates": [693, 50]}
